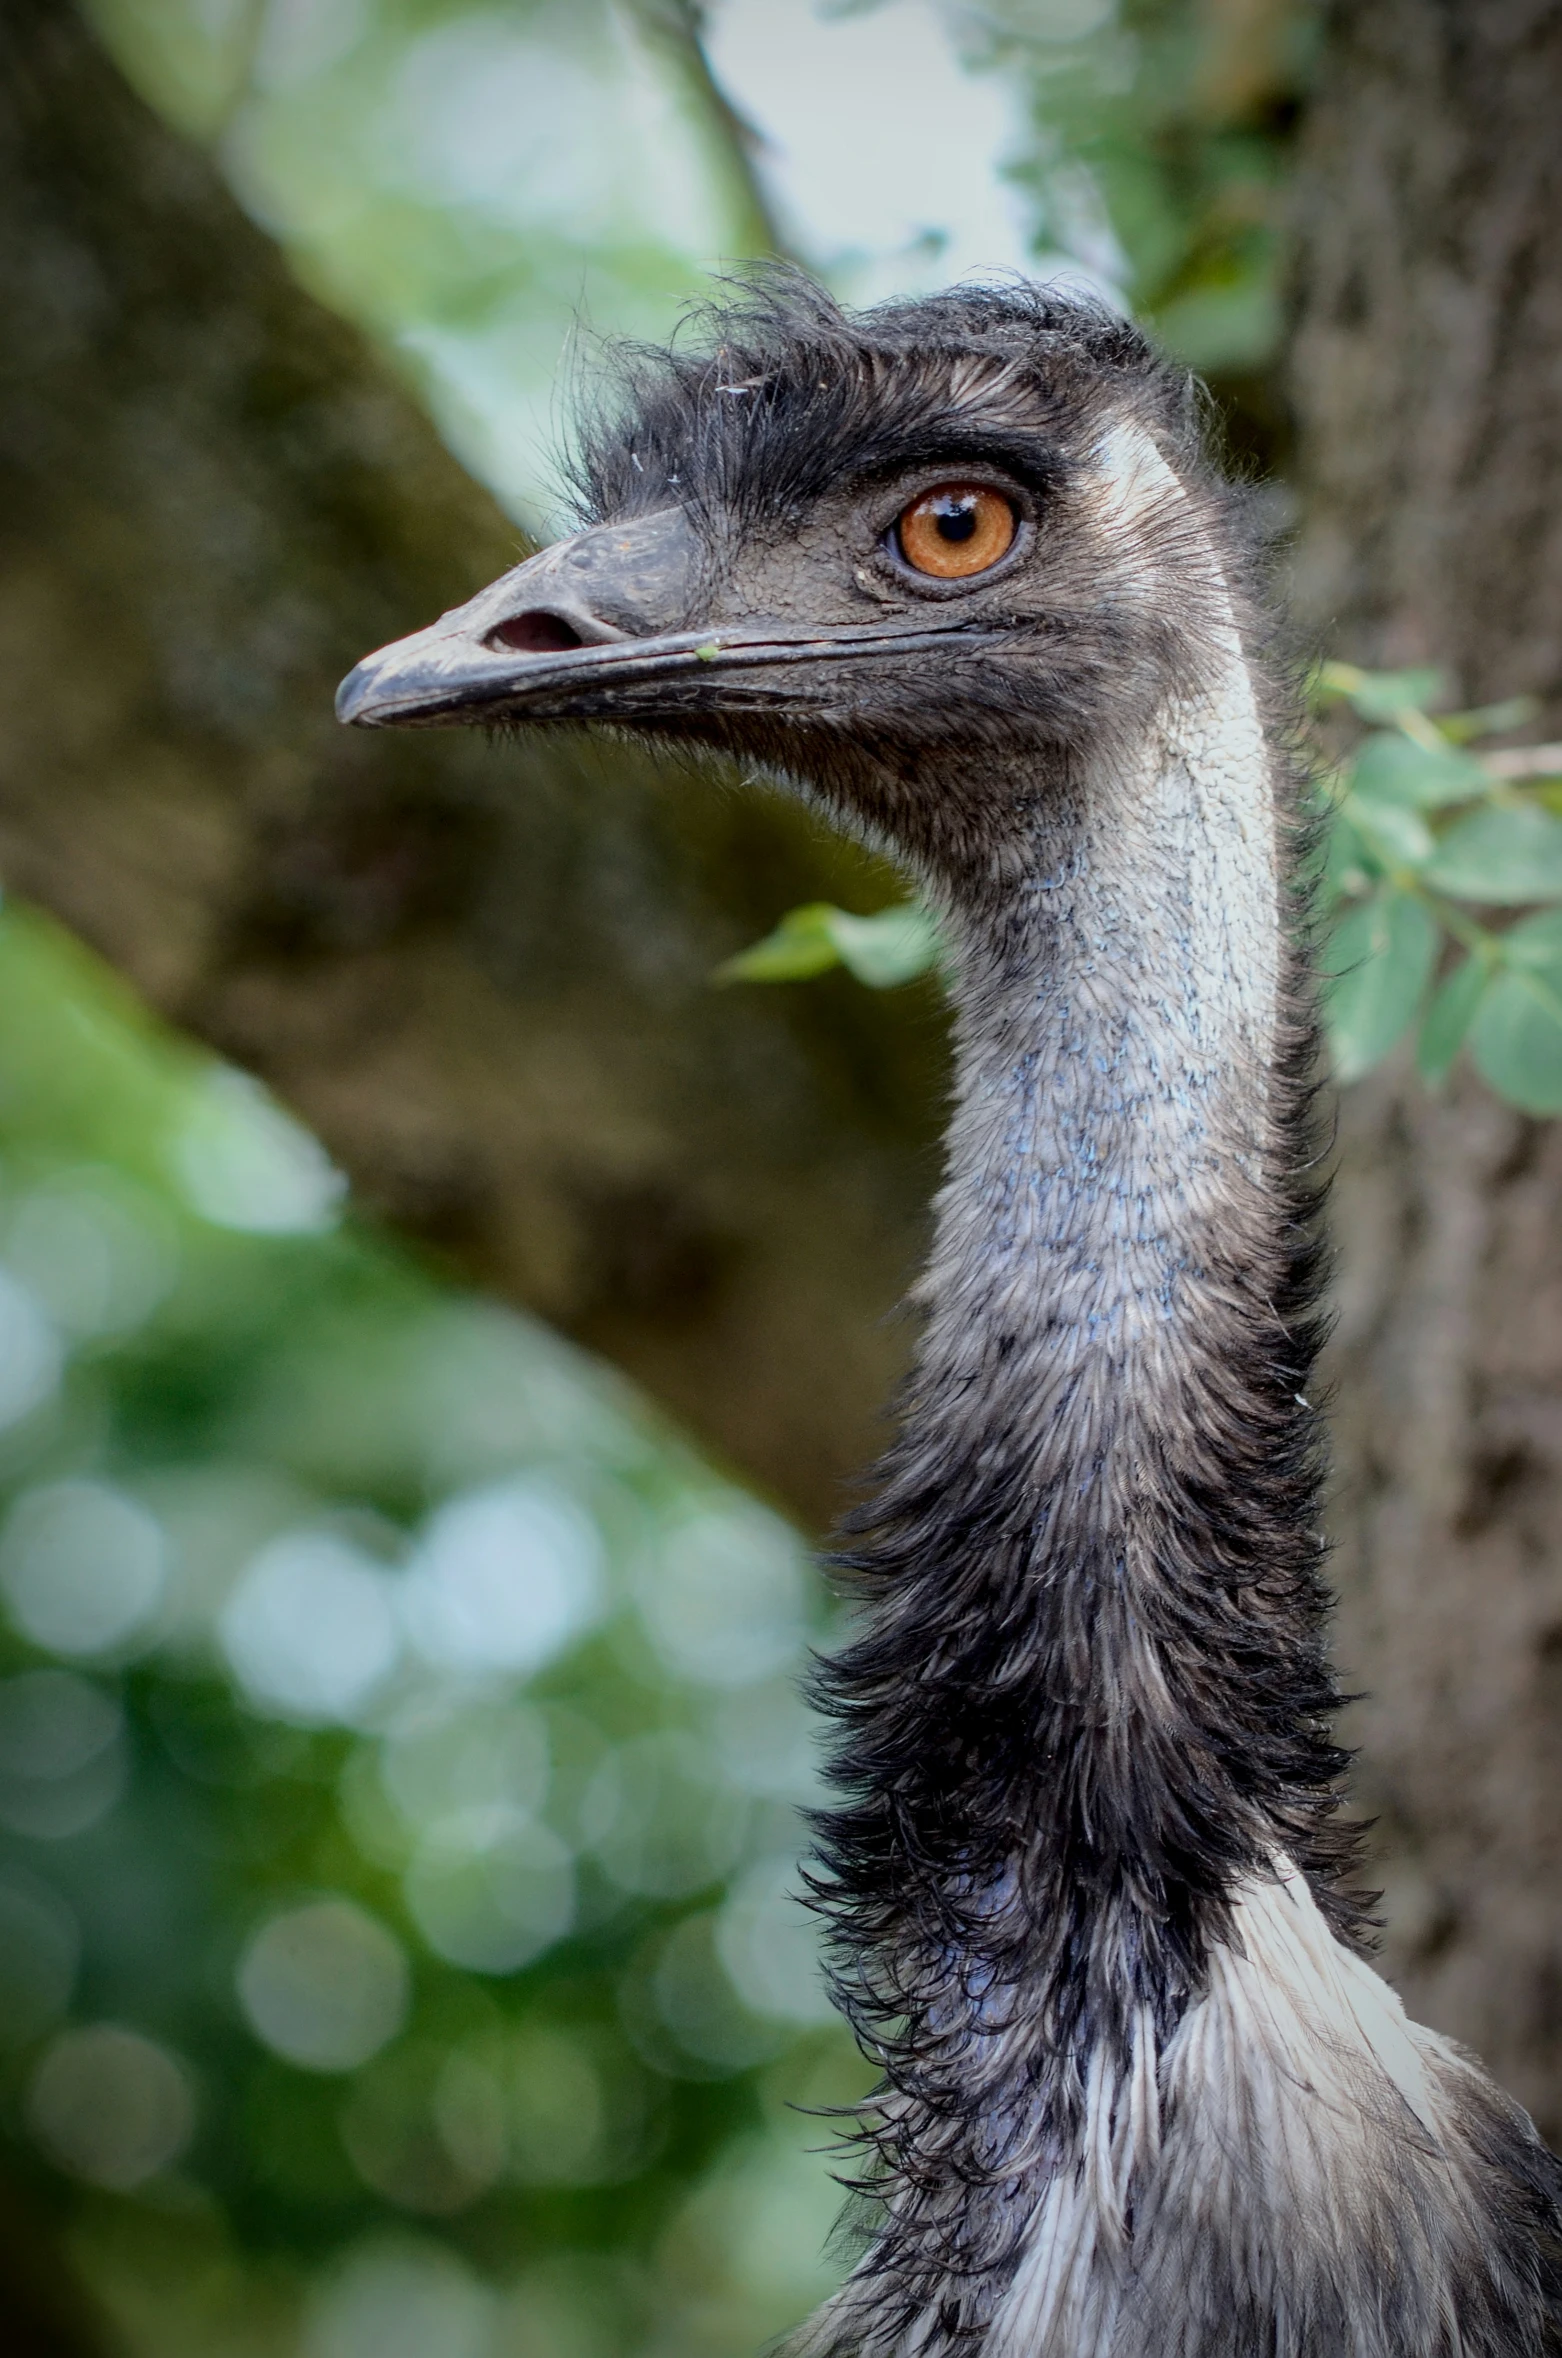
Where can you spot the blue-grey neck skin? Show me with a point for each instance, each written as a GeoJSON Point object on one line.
{"type": "Point", "coordinates": [1114, 1135]}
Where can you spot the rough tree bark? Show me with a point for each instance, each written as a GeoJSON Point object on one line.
{"type": "Point", "coordinates": [482, 975]}
{"type": "Point", "coordinates": [1426, 370]}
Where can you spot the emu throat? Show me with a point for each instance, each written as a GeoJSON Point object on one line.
{"type": "Point", "coordinates": [1092, 1565]}
{"type": "Point", "coordinates": [1112, 1145]}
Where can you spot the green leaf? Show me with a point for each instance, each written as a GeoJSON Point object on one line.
{"type": "Point", "coordinates": [1448, 1018]}
{"type": "Point", "coordinates": [1508, 852]}
{"type": "Point", "coordinates": [1397, 836]}
{"type": "Point", "coordinates": [1488, 720]}
{"type": "Point", "coordinates": [1516, 1037]}
{"type": "Point", "coordinates": [1349, 864]}
{"type": "Point", "coordinates": [1394, 769]}
{"type": "Point", "coordinates": [892, 947]}
{"type": "Point", "coordinates": [801, 945]}
{"type": "Point", "coordinates": [1536, 943]}
{"type": "Point", "coordinates": [1380, 958]}
{"type": "Point", "coordinates": [1382, 695]}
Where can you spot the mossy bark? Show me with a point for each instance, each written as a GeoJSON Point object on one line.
{"type": "Point", "coordinates": [1426, 369]}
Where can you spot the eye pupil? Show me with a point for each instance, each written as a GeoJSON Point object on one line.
{"type": "Point", "coordinates": [956, 531]}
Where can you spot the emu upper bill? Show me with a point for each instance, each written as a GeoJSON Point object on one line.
{"type": "Point", "coordinates": [958, 571]}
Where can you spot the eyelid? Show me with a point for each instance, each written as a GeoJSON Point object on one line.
{"type": "Point", "coordinates": [981, 474]}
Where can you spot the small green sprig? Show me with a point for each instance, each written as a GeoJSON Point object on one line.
{"type": "Point", "coordinates": [891, 947]}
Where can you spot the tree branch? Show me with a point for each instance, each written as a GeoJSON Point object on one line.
{"type": "Point", "coordinates": [678, 29]}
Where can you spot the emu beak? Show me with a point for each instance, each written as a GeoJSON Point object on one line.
{"type": "Point", "coordinates": [608, 589]}
{"type": "Point", "coordinates": [597, 628]}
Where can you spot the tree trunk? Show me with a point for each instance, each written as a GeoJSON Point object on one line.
{"type": "Point", "coordinates": [1426, 371]}
{"type": "Point", "coordinates": [483, 976]}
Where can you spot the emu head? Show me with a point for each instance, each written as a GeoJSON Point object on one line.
{"type": "Point", "coordinates": [877, 553]}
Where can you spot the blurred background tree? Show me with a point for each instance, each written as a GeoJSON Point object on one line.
{"type": "Point", "coordinates": [399, 1761]}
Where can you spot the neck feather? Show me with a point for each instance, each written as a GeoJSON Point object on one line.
{"type": "Point", "coordinates": [1089, 1694]}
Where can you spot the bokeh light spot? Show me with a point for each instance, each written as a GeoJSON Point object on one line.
{"type": "Point", "coordinates": [491, 1896]}
{"type": "Point", "coordinates": [98, 1255]}
{"type": "Point", "coordinates": [769, 1944]}
{"type": "Point", "coordinates": [465, 84]}
{"type": "Point", "coordinates": [62, 1753]}
{"type": "Point", "coordinates": [244, 1163]}
{"type": "Point", "coordinates": [31, 1355]}
{"type": "Point", "coordinates": [425, 2128]}
{"type": "Point", "coordinates": [469, 2115]}
{"type": "Point", "coordinates": [311, 1628]}
{"type": "Point", "coordinates": [82, 1566]}
{"type": "Point", "coordinates": [659, 1818]}
{"type": "Point", "coordinates": [695, 1999]}
{"type": "Point", "coordinates": [110, 2106]}
{"type": "Point", "coordinates": [557, 2111]}
{"type": "Point", "coordinates": [768, 1742]}
{"type": "Point", "coordinates": [391, 2299]}
{"type": "Point", "coordinates": [724, 1597]}
{"type": "Point", "coordinates": [474, 1768]}
{"type": "Point", "coordinates": [324, 1985]}
{"type": "Point", "coordinates": [762, 2220]}
{"type": "Point", "coordinates": [506, 1578]}
{"type": "Point", "coordinates": [299, 39]}
{"type": "Point", "coordinates": [579, 2110]}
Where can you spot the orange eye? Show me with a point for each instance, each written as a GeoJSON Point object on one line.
{"type": "Point", "coordinates": [957, 530]}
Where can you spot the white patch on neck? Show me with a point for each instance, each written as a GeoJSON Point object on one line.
{"type": "Point", "coordinates": [1136, 484]}
{"type": "Point", "coordinates": [1303, 2156]}
{"type": "Point", "coordinates": [1215, 788]}
{"type": "Point", "coordinates": [1212, 783]}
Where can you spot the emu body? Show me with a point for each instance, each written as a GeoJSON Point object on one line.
{"type": "Point", "coordinates": [1143, 2097]}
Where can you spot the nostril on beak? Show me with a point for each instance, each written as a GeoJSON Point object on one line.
{"type": "Point", "coordinates": [534, 634]}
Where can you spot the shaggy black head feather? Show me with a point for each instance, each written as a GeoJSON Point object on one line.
{"type": "Point", "coordinates": [766, 404]}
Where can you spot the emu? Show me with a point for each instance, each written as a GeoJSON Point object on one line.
{"type": "Point", "coordinates": [960, 571]}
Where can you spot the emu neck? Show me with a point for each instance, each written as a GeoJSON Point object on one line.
{"type": "Point", "coordinates": [1091, 1695]}
{"type": "Point", "coordinates": [1117, 1011]}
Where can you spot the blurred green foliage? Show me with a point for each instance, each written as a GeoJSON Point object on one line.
{"type": "Point", "coordinates": [469, 181]}
{"type": "Point", "coordinates": [399, 1764]}
{"type": "Point", "coordinates": [893, 946]}
{"type": "Point", "coordinates": [1170, 120]}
